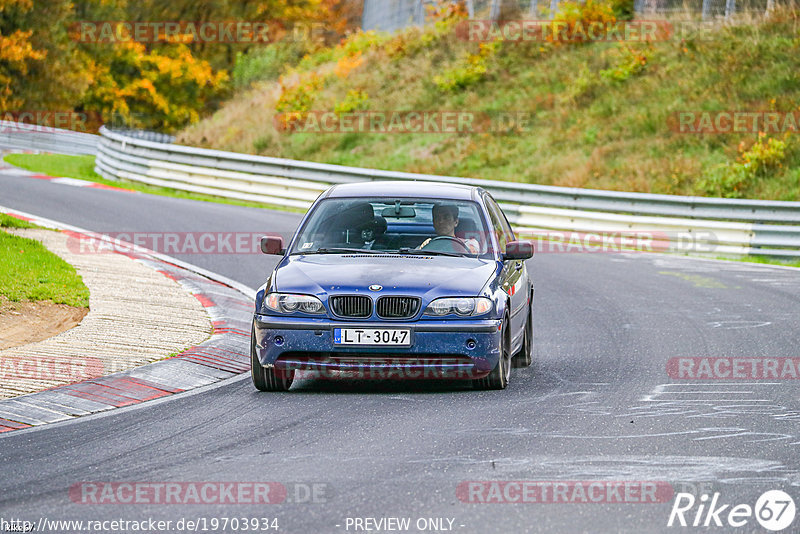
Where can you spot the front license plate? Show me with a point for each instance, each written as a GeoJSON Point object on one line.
{"type": "Point", "coordinates": [371, 336]}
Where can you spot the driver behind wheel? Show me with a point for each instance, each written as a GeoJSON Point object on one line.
{"type": "Point", "coordinates": [445, 220]}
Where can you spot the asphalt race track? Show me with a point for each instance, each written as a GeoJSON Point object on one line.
{"type": "Point", "coordinates": [598, 404]}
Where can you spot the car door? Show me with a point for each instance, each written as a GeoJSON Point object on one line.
{"type": "Point", "coordinates": [514, 277]}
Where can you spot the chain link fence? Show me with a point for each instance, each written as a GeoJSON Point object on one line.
{"type": "Point", "coordinates": [391, 15]}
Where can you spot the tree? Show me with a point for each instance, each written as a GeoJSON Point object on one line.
{"type": "Point", "coordinates": [45, 64]}
{"type": "Point", "coordinates": [37, 61]}
{"type": "Point", "coordinates": [161, 90]}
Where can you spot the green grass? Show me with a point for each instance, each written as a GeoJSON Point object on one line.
{"type": "Point", "coordinates": [30, 272]}
{"type": "Point", "coordinates": [7, 221]}
{"type": "Point", "coordinates": [589, 129]}
{"type": "Point", "coordinates": [82, 168]}
{"type": "Point", "coordinates": [763, 259]}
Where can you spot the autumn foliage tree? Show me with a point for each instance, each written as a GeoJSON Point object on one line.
{"type": "Point", "coordinates": [163, 89]}
{"type": "Point", "coordinates": [159, 85]}
{"type": "Point", "coordinates": [16, 51]}
{"type": "Point", "coordinates": [40, 67]}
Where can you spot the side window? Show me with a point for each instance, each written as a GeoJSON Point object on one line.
{"type": "Point", "coordinates": [506, 225]}
{"type": "Point", "coordinates": [500, 225]}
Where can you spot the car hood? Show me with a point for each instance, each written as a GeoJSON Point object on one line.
{"type": "Point", "coordinates": [398, 274]}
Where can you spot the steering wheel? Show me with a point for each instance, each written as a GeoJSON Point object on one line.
{"type": "Point", "coordinates": [451, 239]}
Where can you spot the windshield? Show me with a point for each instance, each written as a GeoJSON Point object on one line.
{"type": "Point", "coordinates": [395, 225]}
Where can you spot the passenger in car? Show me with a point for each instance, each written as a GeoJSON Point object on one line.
{"type": "Point", "coordinates": [376, 233]}
{"type": "Point", "coordinates": [354, 227]}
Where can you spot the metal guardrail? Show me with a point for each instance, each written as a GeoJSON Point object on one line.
{"type": "Point", "coordinates": [689, 224]}
{"type": "Point", "coordinates": [146, 135]}
{"type": "Point", "coordinates": [20, 136]}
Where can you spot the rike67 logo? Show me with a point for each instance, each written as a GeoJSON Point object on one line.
{"type": "Point", "coordinates": [774, 510]}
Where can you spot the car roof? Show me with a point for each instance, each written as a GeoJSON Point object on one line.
{"type": "Point", "coordinates": [407, 189]}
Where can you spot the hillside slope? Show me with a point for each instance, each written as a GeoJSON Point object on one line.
{"type": "Point", "coordinates": [602, 115]}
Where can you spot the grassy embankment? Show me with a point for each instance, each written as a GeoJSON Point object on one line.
{"type": "Point", "coordinates": [29, 272]}
{"type": "Point", "coordinates": [601, 111]}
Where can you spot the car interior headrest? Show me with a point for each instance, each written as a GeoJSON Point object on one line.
{"type": "Point", "coordinates": [357, 217]}
{"type": "Point", "coordinates": [380, 225]}
{"type": "Point", "coordinates": [467, 226]}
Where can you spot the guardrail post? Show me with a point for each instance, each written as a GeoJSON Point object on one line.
{"type": "Point", "coordinates": [419, 13]}
{"type": "Point", "coordinates": [494, 13]}
{"type": "Point", "coordinates": [730, 8]}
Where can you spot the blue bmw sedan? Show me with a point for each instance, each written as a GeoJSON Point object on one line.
{"type": "Point", "coordinates": [396, 280]}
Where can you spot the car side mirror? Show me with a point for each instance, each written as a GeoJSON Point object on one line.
{"type": "Point", "coordinates": [272, 245]}
{"type": "Point", "coordinates": [518, 250]}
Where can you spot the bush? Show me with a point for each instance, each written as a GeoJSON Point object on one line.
{"type": "Point", "coordinates": [731, 180]}
{"type": "Point", "coordinates": [266, 63]}
{"type": "Point", "coordinates": [295, 101]}
{"type": "Point", "coordinates": [469, 70]}
{"type": "Point", "coordinates": [631, 63]}
{"type": "Point", "coordinates": [581, 15]}
{"type": "Point", "coordinates": [352, 101]}
{"type": "Point", "coordinates": [623, 9]}
{"type": "Point", "coordinates": [353, 45]}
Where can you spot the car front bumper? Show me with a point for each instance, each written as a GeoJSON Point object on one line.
{"type": "Point", "coordinates": [460, 348]}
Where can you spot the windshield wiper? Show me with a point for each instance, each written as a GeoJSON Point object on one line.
{"type": "Point", "coordinates": [420, 252]}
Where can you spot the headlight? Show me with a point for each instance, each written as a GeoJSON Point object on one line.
{"type": "Point", "coordinates": [464, 306]}
{"type": "Point", "coordinates": [288, 303]}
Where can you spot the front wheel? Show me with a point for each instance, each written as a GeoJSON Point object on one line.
{"type": "Point", "coordinates": [267, 378]}
{"type": "Point", "coordinates": [524, 357]}
{"type": "Point", "coordinates": [498, 378]}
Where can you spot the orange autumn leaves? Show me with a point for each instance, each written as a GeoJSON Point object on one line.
{"type": "Point", "coordinates": [16, 51]}
{"type": "Point", "coordinates": [161, 90]}
{"type": "Point", "coordinates": [161, 86]}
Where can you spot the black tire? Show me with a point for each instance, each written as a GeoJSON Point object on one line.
{"type": "Point", "coordinates": [267, 378]}
{"type": "Point", "coordinates": [498, 378]}
{"type": "Point", "coordinates": [524, 357]}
